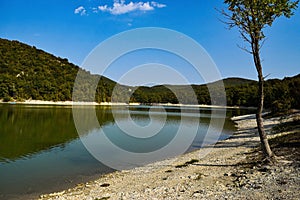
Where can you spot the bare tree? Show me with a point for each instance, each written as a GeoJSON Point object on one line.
{"type": "Point", "coordinates": [251, 17]}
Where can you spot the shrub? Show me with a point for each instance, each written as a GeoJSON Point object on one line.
{"type": "Point", "coordinates": [280, 106]}
{"type": "Point", "coordinates": [7, 99]}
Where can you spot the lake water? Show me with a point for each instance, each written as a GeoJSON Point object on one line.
{"type": "Point", "coordinates": [41, 151]}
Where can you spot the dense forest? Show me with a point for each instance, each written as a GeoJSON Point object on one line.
{"type": "Point", "coordinates": [280, 95]}
{"type": "Point", "coordinates": [30, 73]}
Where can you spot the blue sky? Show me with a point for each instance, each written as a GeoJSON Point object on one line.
{"type": "Point", "coordinates": [72, 28]}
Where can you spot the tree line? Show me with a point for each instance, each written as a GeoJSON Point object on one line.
{"type": "Point", "coordinates": [280, 95]}
{"type": "Point", "coordinates": [29, 73]}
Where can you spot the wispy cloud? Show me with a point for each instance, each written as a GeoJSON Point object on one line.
{"type": "Point", "coordinates": [80, 10]}
{"type": "Point", "coordinates": [158, 5]}
{"type": "Point", "coordinates": [120, 7]}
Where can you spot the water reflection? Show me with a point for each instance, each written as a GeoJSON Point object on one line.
{"type": "Point", "coordinates": [40, 150]}
{"type": "Point", "coordinates": [26, 130]}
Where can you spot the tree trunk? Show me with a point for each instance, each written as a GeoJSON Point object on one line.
{"type": "Point", "coordinates": [259, 120]}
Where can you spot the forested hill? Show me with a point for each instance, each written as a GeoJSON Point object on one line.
{"type": "Point", "coordinates": [279, 94]}
{"type": "Point", "coordinates": [30, 73]}
{"type": "Point", "coordinates": [236, 81]}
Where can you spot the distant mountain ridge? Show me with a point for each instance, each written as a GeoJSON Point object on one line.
{"type": "Point", "coordinates": [30, 73]}
{"type": "Point", "coordinates": [235, 81]}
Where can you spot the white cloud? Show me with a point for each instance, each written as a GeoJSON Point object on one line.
{"type": "Point", "coordinates": [119, 7]}
{"type": "Point", "coordinates": [95, 10]}
{"type": "Point", "coordinates": [80, 10]}
{"type": "Point", "coordinates": [158, 5]}
{"type": "Point", "coordinates": [103, 8]}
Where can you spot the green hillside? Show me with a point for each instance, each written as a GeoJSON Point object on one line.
{"type": "Point", "coordinates": [229, 82]}
{"type": "Point", "coordinates": [279, 94]}
{"type": "Point", "coordinates": [30, 73]}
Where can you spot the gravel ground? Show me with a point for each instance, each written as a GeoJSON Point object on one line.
{"type": "Point", "coordinates": [231, 170]}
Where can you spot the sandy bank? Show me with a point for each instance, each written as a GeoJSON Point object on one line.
{"type": "Point", "coordinates": [62, 103]}
{"type": "Point", "coordinates": [218, 175]}
{"type": "Point", "coordinates": [72, 103]}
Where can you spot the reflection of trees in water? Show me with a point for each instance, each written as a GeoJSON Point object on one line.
{"type": "Point", "coordinates": [27, 130]}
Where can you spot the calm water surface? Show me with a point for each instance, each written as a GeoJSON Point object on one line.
{"type": "Point", "coordinates": [41, 152]}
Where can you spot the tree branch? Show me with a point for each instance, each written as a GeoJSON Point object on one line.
{"type": "Point", "coordinates": [245, 49]}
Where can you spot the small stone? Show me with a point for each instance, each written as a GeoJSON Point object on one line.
{"type": "Point", "coordinates": [105, 185]}
{"type": "Point", "coordinates": [227, 174]}
{"type": "Point", "coordinates": [196, 194]}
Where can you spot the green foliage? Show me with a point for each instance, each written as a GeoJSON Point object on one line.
{"type": "Point", "coordinates": [280, 106]}
{"type": "Point", "coordinates": [252, 16]}
{"type": "Point", "coordinates": [239, 92]}
{"type": "Point", "coordinates": [7, 99]}
{"type": "Point", "coordinates": [29, 73]}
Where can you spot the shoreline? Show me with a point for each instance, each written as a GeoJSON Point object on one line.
{"type": "Point", "coordinates": [187, 176]}
{"type": "Point", "coordinates": [72, 103]}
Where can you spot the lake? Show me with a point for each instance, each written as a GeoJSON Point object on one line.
{"type": "Point", "coordinates": [41, 151]}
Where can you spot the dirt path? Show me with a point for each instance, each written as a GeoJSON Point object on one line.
{"type": "Point", "coordinates": [226, 172]}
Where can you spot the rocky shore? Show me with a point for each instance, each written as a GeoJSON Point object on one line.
{"type": "Point", "coordinates": [232, 169]}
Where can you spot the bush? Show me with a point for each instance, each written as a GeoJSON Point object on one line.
{"type": "Point", "coordinates": [7, 99]}
{"type": "Point", "coordinates": [280, 106]}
